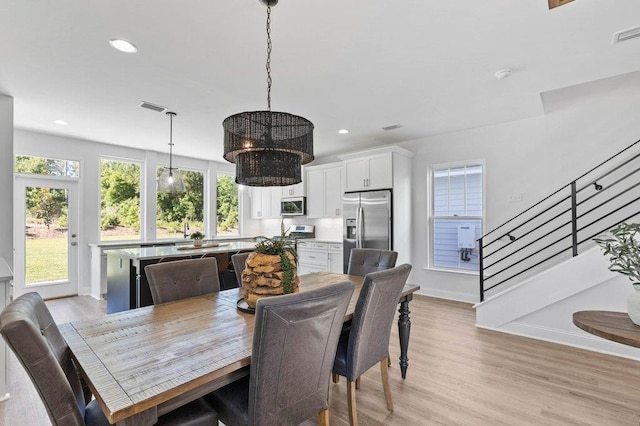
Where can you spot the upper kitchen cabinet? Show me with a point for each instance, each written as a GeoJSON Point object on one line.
{"type": "Point", "coordinates": [370, 172]}
{"type": "Point", "coordinates": [324, 190]}
{"type": "Point", "coordinates": [373, 169]}
{"type": "Point", "coordinates": [265, 202]}
{"type": "Point", "coordinates": [297, 190]}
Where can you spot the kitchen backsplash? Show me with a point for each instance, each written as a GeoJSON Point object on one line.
{"type": "Point", "coordinates": [328, 229]}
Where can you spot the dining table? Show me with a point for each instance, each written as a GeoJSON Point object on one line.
{"type": "Point", "coordinates": [145, 362]}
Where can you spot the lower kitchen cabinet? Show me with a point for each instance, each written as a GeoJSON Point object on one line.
{"type": "Point", "coordinates": [319, 257]}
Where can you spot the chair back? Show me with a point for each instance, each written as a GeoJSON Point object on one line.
{"type": "Point", "coordinates": [373, 318]}
{"type": "Point", "coordinates": [29, 330]}
{"type": "Point", "coordinates": [239, 262]}
{"type": "Point", "coordinates": [363, 261]}
{"type": "Point", "coordinates": [294, 344]}
{"type": "Point", "coordinates": [171, 281]}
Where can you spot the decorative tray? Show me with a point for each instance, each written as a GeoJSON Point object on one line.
{"type": "Point", "coordinates": [244, 307]}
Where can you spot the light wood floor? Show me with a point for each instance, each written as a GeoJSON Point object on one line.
{"type": "Point", "coordinates": [458, 375]}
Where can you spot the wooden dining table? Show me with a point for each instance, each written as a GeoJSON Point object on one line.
{"type": "Point", "coordinates": [145, 362]}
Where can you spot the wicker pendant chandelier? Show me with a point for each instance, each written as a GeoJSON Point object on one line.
{"type": "Point", "coordinates": [268, 148]}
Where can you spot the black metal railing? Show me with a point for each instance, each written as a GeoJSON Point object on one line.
{"type": "Point", "coordinates": [556, 227]}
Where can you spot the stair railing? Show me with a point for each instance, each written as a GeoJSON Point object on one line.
{"type": "Point", "coordinates": [559, 225]}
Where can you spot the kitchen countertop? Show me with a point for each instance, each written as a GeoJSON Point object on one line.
{"type": "Point", "coordinates": [142, 253]}
{"type": "Point", "coordinates": [318, 240]}
{"type": "Point", "coordinates": [168, 242]}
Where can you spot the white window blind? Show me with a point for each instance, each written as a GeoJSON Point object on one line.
{"type": "Point", "coordinates": [456, 222]}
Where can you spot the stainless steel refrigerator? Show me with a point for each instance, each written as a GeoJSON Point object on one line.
{"type": "Point", "coordinates": [367, 221]}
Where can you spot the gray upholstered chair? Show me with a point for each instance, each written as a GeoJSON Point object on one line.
{"type": "Point", "coordinates": [171, 281]}
{"type": "Point", "coordinates": [238, 261]}
{"type": "Point", "coordinates": [29, 330]}
{"type": "Point", "coordinates": [223, 265]}
{"type": "Point", "coordinates": [294, 343]}
{"type": "Point", "coordinates": [363, 261]}
{"type": "Point", "coordinates": [366, 342]}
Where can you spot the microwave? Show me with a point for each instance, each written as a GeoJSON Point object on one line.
{"type": "Point", "coordinates": [295, 206]}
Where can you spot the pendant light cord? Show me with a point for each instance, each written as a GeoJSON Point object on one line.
{"type": "Point", "coordinates": [171, 114]}
{"type": "Point", "coordinates": [269, 58]}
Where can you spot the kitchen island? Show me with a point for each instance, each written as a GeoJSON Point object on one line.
{"type": "Point", "coordinates": [127, 285]}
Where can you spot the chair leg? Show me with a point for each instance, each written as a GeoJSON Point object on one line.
{"type": "Point", "coordinates": [323, 418]}
{"type": "Point", "coordinates": [358, 383]}
{"type": "Point", "coordinates": [335, 377]}
{"type": "Point", "coordinates": [384, 371]}
{"type": "Point", "coordinates": [351, 396]}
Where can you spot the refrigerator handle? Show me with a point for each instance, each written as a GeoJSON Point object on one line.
{"type": "Point", "coordinates": [359, 227]}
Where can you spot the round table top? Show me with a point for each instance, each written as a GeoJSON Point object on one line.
{"type": "Point", "coordinates": [615, 326]}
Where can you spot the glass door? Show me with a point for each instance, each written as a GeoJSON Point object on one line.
{"type": "Point", "coordinates": [46, 237]}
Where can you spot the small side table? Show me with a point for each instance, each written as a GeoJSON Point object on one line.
{"type": "Point", "coordinates": [615, 326]}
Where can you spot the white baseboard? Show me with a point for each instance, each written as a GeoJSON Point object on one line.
{"type": "Point", "coordinates": [449, 295]}
{"type": "Point", "coordinates": [579, 339]}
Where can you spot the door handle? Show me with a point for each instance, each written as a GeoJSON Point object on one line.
{"type": "Point", "coordinates": [73, 243]}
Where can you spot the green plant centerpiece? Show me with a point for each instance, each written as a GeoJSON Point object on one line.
{"type": "Point", "coordinates": [622, 246]}
{"type": "Point", "coordinates": [270, 270]}
{"type": "Point", "coordinates": [197, 238]}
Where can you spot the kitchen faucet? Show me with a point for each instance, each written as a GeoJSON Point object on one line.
{"type": "Point", "coordinates": [185, 228]}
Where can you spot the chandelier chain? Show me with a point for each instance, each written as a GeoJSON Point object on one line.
{"type": "Point", "coordinates": [269, 58]}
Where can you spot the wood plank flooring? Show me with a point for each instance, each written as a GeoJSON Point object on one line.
{"type": "Point", "coordinates": [458, 375]}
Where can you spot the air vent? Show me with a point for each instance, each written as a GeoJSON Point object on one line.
{"type": "Point", "coordinates": [152, 107]}
{"type": "Point", "coordinates": [625, 35]}
{"type": "Point", "coordinates": [395, 126]}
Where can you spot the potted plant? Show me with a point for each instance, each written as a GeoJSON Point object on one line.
{"type": "Point", "coordinates": [622, 245]}
{"type": "Point", "coordinates": [197, 238]}
{"type": "Point", "coordinates": [270, 270]}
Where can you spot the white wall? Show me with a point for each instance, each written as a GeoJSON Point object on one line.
{"type": "Point", "coordinates": [88, 154]}
{"type": "Point", "coordinates": [532, 157]}
{"type": "Point", "coordinates": [6, 178]}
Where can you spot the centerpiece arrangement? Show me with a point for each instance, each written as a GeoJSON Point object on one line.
{"type": "Point", "coordinates": [197, 238]}
{"type": "Point", "coordinates": [622, 245]}
{"type": "Point", "coordinates": [270, 270]}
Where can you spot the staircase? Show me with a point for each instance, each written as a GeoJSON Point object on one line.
{"type": "Point", "coordinates": [541, 266]}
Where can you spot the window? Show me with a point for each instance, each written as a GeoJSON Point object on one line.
{"type": "Point", "coordinates": [226, 206]}
{"type": "Point", "coordinates": [178, 215]}
{"type": "Point", "coordinates": [119, 200]}
{"type": "Point", "coordinates": [457, 216]}
{"type": "Point", "coordinates": [47, 166]}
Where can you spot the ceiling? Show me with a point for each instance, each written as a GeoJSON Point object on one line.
{"type": "Point", "coordinates": [427, 66]}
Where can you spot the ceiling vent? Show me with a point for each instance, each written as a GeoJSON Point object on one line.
{"type": "Point", "coordinates": [152, 107]}
{"type": "Point", "coordinates": [625, 35]}
{"type": "Point", "coordinates": [395, 126]}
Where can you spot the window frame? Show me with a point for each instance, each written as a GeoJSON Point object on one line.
{"type": "Point", "coordinates": [431, 217]}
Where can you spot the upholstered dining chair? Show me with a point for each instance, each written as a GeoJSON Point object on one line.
{"type": "Point", "coordinates": [294, 343]}
{"type": "Point", "coordinates": [239, 261]}
{"type": "Point", "coordinates": [29, 330]}
{"type": "Point", "coordinates": [223, 265]}
{"type": "Point", "coordinates": [366, 342]}
{"type": "Point", "coordinates": [173, 258]}
{"type": "Point", "coordinates": [181, 279]}
{"type": "Point", "coordinates": [364, 260]}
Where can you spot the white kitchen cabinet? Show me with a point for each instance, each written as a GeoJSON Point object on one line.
{"type": "Point", "coordinates": [324, 190]}
{"type": "Point", "coordinates": [336, 260]}
{"type": "Point", "coordinates": [6, 276]}
{"type": "Point", "coordinates": [319, 257]}
{"type": "Point", "coordinates": [265, 202]}
{"type": "Point", "coordinates": [297, 190]}
{"type": "Point", "coordinates": [369, 172]}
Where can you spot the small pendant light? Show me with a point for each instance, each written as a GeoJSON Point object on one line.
{"type": "Point", "coordinates": [170, 181]}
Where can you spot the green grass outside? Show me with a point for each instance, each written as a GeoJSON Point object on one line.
{"type": "Point", "coordinates": [46, 260]}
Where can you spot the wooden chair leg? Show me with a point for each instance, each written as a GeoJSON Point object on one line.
{"type": "Point", "coordinates": [384, 372]}
{"type": "Point", "coordinates": [358, 383]}
{"type": "Point", "coordinates": [351, 396]}
{"type": "Point", "coordinates": [335, 377]}
{"type": "Point", "coordinates": [323, 418]}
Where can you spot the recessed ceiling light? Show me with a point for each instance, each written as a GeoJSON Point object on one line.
{"type": "Point", "coordinates": [61, 122]}
{"type": "Point", "coordinates": [502, 74]}
{"type": "Point", "coordinates": [343, 131]}
{"type": "Point", "coordinates": [123, 45]}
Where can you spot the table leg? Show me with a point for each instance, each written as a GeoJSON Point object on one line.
{"type": "Point", "coordinates": [404, 329]}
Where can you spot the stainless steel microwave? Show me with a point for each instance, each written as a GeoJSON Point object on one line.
{"type": "Point", "coordinates": [295, 206]}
